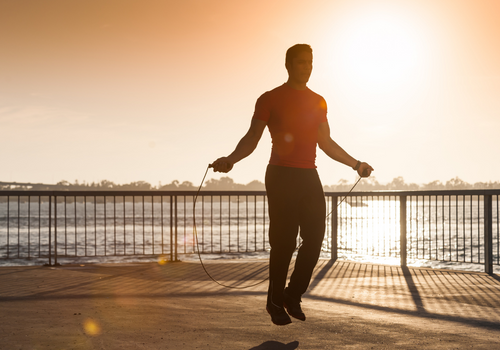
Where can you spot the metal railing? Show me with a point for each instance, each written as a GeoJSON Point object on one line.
{"type": "Point", "coordinates": [447, 226]}
{"type": "Point", "coordinates": [450, 226]}
{"type": "Point", "coordinates": [63, 224]}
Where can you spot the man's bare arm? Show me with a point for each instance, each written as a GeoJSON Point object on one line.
{"type": "Point", "coordinates": [334, 151]}
{"type": "Point", "coordinates": [245, 147]}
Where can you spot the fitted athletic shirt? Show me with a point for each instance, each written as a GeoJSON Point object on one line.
{"type": "Point", "coordinates": [293, 118]}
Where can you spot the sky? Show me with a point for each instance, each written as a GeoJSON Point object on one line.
{"type": "Point", "coordinates": [149, 90]}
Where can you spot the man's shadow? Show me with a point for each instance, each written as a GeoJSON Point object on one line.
{"type": "Point", "coordinates": [276, 345]}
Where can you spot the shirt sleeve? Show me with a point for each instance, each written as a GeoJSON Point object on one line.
{"type": "Point", "coordinates": [262, 108]}
{"type": "Point", "coordinates": [323, 110]}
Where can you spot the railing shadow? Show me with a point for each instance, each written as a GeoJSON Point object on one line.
{"type": "Point", "coordinates": [467, 298]}
{"type": "Point", "coordinates": [110, 280]}
{"type": "Point", "coordinates": [495, 277]}
{"type": "Point", "coordinates": [417, 299]}
{"type": "Point", "coordinates": [325, 269]}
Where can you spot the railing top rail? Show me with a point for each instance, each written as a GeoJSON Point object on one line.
{"type": "Point", "coordinates": [471, 192]}
{"type": "Point", "coordinates": [155, 193]}
{"type": "Point", "coordinates": [129, 193]}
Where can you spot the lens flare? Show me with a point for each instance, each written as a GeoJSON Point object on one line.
{"type": "Point", "coordinates": [162, 260]}
{"type": "Point", "coordinates": [91, 327]}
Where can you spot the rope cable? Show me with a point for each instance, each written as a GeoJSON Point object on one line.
{"type": "Point", "coordinates": [198, 247]}
{"type": "Point", "coordinates": [197, 242]}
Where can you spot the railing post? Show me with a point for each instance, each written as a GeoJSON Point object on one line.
{"type": "Point", "coordinates": [8, 226]}
{"type": "Point", "coordinates": [50, 230]}
{"type": "Point", "coordinates": [175, 247]}
{"type": "Point", "coordinates": [55, 231]}
{"type": "Point", "coordinates": [488, 234]}
{"type": "Point", "coordinates": [171, 228]}
{"type": "Point", "coordinates": [335, 226]}
{"type": "Point", "coordinates": [402, 221]}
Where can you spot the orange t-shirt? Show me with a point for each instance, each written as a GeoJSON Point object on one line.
{"type": "Point", "coordinates": [293, 118]}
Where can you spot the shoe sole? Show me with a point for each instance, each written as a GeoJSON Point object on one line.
{"type": "Point", "coordinates": [298, 317]}
{"type": "Point", "coordinates": [278, 324]}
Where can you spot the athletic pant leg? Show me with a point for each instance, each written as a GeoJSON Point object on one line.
{"type": "Point", "coordinates": [283, 228]}
{"type": "Point", "coordinates": [312, 230]}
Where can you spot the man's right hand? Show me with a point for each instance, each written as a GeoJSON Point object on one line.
{"type": "Point", "coordinates": [222, 165]}
{"type": "Point", "coordinates": [365, 170]}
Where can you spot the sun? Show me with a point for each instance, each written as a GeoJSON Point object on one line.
{"type": "Point", "coordinates": [381, 57]}
{"type": "Point", "coordinates": [381, 52]}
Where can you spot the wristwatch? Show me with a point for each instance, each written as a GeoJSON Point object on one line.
{"type": "Point", "coordinates": [358, 164]}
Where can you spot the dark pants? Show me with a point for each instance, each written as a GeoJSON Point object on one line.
{"type": "Point", "coordinates": [296, 200]}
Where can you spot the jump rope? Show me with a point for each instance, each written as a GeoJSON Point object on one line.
{"type": "Point", "coordinates": [196, 232]}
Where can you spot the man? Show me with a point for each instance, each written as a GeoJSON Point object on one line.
{"type": "Point", "coordinates": [296, 119]}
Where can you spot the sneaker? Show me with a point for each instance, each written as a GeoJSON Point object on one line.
{"type": "Point", "coordinates": [278, 315]}
{"type": "Point", "coordinates": [292, 306]}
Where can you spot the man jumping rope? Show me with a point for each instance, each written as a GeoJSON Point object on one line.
{"type": "Point", "coordinates": [296, 118]}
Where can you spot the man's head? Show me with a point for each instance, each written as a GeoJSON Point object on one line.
{"type": "Point", "coordinates": [294, 51]}
{"type": "Point", "coordinates": [298, 63]}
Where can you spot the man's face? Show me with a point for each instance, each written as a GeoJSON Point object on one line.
{"type": "Point", "coordinates": [301, 67]}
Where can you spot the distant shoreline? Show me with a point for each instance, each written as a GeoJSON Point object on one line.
{"type": "Point", "coordinates": [227, 184]}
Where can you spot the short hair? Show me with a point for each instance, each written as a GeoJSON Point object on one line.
{"type": "Point", "coordinates": [294, 51]}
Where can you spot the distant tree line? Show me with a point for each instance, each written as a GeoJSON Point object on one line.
{"type": "Point", "coordinates": [398, 183]}
{"type": "Point", "coordinates": [225, 183]}
{"type": "Point", "coordinates": [228, 184]}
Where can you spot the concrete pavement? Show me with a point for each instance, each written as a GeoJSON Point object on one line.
{"type": "Point", "coordinates": [176, 306]}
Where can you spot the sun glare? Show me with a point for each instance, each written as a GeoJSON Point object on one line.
{"type": "Point", "coordinates": [381, 56]}
{"type": "Point", "coordinates": [381, 52]}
